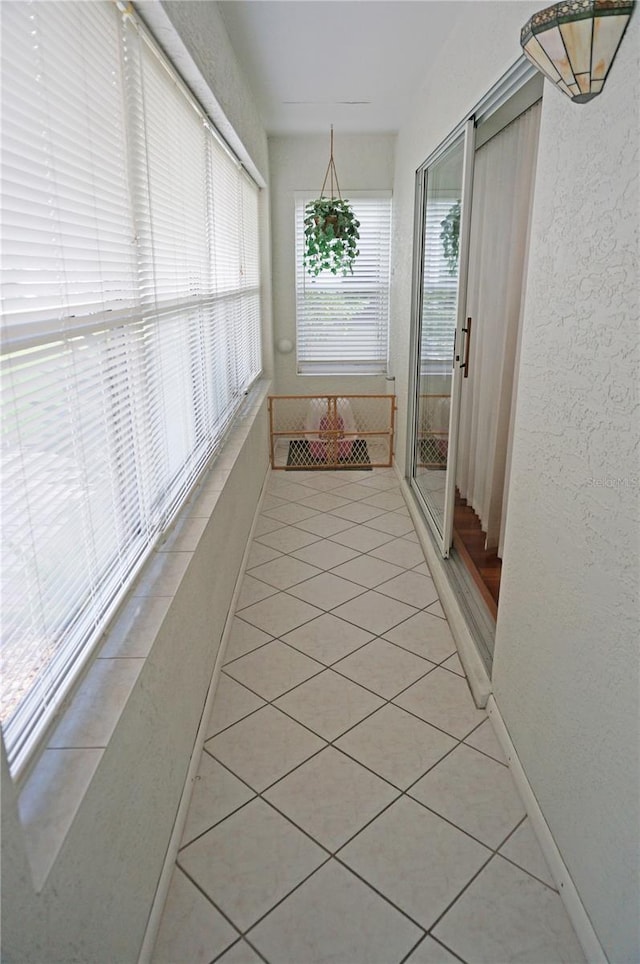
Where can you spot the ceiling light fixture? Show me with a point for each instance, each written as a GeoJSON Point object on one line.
{"type": "Point", "coordinates": [574, 43]}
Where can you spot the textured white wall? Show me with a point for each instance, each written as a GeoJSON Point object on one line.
{"type": "Point", "coordinates": [363, 162]}
{"type": "Point", "coordinates": [566, 670]}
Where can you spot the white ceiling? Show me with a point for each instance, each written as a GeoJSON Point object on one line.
{"type": "Point", "coordinates": [352, 63]}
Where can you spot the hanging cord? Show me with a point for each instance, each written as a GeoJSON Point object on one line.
{"type": "Point", "coordinates": [332, 174]}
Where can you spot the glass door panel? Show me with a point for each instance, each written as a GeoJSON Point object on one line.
{"type": "Point", "coordinates": [440, 329]}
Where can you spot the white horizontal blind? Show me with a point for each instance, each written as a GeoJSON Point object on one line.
{"type": "Point", "coordinates": [343, 321]}
{"type": "Point", "coordinates": [131, 324]}
{"type": "Point", "coordinates": [439, 287]}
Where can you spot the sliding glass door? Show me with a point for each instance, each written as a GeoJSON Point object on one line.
{"type": "Point", "coordinates": [441, 336]}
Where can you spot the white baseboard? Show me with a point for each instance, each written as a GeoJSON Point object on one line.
{"type": "Point", "coordinates": [566, 887]}
{"type": "Point", "coordinates": [153, 924]}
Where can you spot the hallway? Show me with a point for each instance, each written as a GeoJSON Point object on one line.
{"type": "Point", "coordinates": [352, 804]}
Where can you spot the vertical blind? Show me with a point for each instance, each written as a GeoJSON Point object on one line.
{"type": "Point", "coordinates": [343, 321]}
{"type": "Point", "coordinates": [131, 327]}
{"type": "Point", "coordinates": [439, 286]}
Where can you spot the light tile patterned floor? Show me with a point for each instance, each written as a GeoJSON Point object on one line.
{"type": "Point", "coordinates": [352, 804]}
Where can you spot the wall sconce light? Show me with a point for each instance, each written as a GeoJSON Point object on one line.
{"type": "Point", "coordinates": [574, 43]}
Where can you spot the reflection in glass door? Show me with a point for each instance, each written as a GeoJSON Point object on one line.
{"type": "Point", "coordinates": [444, 198]}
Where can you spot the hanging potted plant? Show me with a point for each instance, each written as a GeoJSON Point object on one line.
{"type": "Point", "coordinates": [330, 229]}
{"type": "Point", "coordinates": [450, 237]}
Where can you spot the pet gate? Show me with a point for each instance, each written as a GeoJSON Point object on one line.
{"type": "Point", "coordinates": [433, 431]}
{"type": "Point", "coordinates": [331, 431]}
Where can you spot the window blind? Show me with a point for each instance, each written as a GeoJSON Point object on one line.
{"type": "Point", "coordinates": [343, 321]}
{"type": "Point", "coordinates": [439, 288]}
{"type": "Point", "coordinates": [131, 328]}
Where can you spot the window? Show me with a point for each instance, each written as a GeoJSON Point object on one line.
{"type": "Point", "coordinates": [343, 322]}
{"type": "Point", "coordinates": [440, 285]}
{"type": "Point", "coordinates": [131, 322]}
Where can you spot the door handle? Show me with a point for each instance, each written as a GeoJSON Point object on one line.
{"type": "Point", "coordinates": [467, 346]}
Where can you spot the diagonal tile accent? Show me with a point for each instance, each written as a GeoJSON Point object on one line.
{"type": "Point", "coordinates": [357, 512]}
{"type": "Point", "coordinates": [411, 588]}
{"type": "Point", "coordinates": [416, 859]}
{"type": "Point", "coordinates": [329, 704]}
{"type": "Point", "coordinates": [367, 571]}
{"type": "Point", "coordinates": [387, 500]}
{"type": "Point", "coordinates": [425, 635]}
{"type": "Point", "coordinates": [326, 591]}
{"type": "Point", "coordinates": [392, 522]}
{"type": "Point", "coordinates": [250, 861]}
{"type": "Point", "coordinates": [289, 512]}
{"type": "Point", "coordinates": [283, 572]}
{"type": "Point", "coordinates": [361, 538]}
{"type": "Point", "coordinates": [324, 525]}
{"type": "Point", "coordinates": [331, 797]}
{"type": "Point", "coordinates": [428, 952]}
{"type": "Point", "coordinates": [287, 538]}
{"type": "Point", "coordinates": [216, 794]}
{"type": "Point", "coordinates": [384, 668]}
{"type": "Point", "coordinates": [240, 953]}
{"type": "Point", "coordinates": [444, 700]}
{"type": "Point", "coordinates": [191, 928]}
{"type": "Point", "coordinates": [396, 745]}
{"type": "Point", "coordinates": [523, 849]}
{"type": "Point", "coordinates": [323, 501]}
{"type": "Point", "coordinates": [483, 738]}
{"type": "Point", "coordinates": [253, 590]}
{"type": "Point", "coordinates": [259, 554]}
{"type": "Point", "coordinates": [263, 747]}
{"type": "Point", "coordinates": [325, 554]}
{"type": "Point", "coordinates": [273, 669]}
{"type": "Point", "coordinates": [334, 918]}
{"type": "Point", "coordinates": [327, 638]}
{"type": "Point", "coordinates": [506, 915]}
{"type": "Point", "coordinates": [474, 792]}
{"type": "Point", "coordinates": [243, 639]}
{"type": "Point", "coordinates": [374, 612]}
{"type": "Point", "coordinates": [399, 551]}
{"type": "Point", "coordinates": [232, 702]}
{"type": "Point", "coordinates": [265, 525]}
{"type": "Point", "coordinates": [279, 614]}
{"type": "Point", "coordinates": [354, 491]}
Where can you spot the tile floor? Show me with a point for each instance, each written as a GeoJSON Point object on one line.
{"type": "Point", "coordinates": [352, 805]}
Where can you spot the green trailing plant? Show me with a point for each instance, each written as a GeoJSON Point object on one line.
{"type": "Point", "coordinates": [331, 236]}
{"type": "Point", "coordinates": [450, 237]}
{"type": "Point", "coordinates": [330, 229]}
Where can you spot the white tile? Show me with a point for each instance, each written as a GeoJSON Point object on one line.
{"type": "Point", "coordinates": [354, 490]}
{"type": "Point", "coordinates": [273, 669]}
{"type": "Point", "coordinates": [454, 665]}
{"type": "Point", "coordinates": [327, 638]}
{"type": "Point", "coordinates": [410, 536]}
{"type": "Point", "coordinates": [325, 554]}
{"type": "Point", "coordinates": [216, 794]}
{"type": "Point", "coordinates": [325, 524]}
{"type": "Point", "coordinates": [387, 500]}
{"type": "Point", "coordinates": [374, 612]}
{"type": "Point", "coordinates": [422, 568]}
{"type": "Point", "coordinates": [382, 667]}
{"type": "Point", "coordinates": [252, 590]}
{"type": "Point", "coordinates": [279, 614]}
{"type": "Point", "coordinates": [331, 797]}
{"type": "Point", "coordinates": [250, 861]}
{"type": "Point", "coordinates": [289, 512]}
{"type": "Point", "coordinates": [283, 488]}
{"type": "Point", "coordinates": [523, 849]}
{"type": "Point", "coordinates": [135, 628]}
{"type": "Point", "coordinates": [258, 554]}
{"type": "Point", "coordinates": [323, 501]}
{"type": "Point", "coordinates": [357, 512]}
{"type": "Point", "coordinates": [381, 482]}
{"type": "Point", "coordinates": [287, 539]}
{"type": "Point", "coordinates": [400, 552]}
{"type": "Point", "coordinates": [265, 525]}
{"type": "Point", "coordinates": [483, 738]}
{"type": "Point", "coordinates": [444, 700]}
{"type": "Point", "coordinates": [396, 745]}
{"type": "Point", "coordinates": [284, 572]}
{"type": "Point", "coordinates": [437, 610]}
{"type": "Point", "coordinates": [361, 538]}
{"type": "Point", "coordinates": [475, 793]}
{"type": "Point", "coordinates": [263, 747]}
{"type": "Point", "coordinates": [240, 953]}
{"type": "Point", "coordinates": [392, 522]}
{"type": "Point", "coordinates": [231, 702]}
{"type": "Point", "coordinates": [333, 918]}
{"type": "Point", "coordinates": [325, 481]}
{"type": "Point", "coordinates": [506, 915]}
{"type": "Point", "coordinates": [329, 704]}
{"type": "Point", "coordinates": [411, 588]}
{"type": "Point", "coordinates": [326, 591]}
{"type": "Point", "coordinates": [191, 929]}
{"type": "Point", "coordinates": [416, 859]}
{"type": "Point", "coordinates": [92, 715]}
{"type": "Point", "coordinates": [428, 952]}
{"type": "Point", "coordinates": [244, 638]}
{"type": "Point", "coordinates": [425, 635]}
{"type": "Point", "coordinates": [367, 571]}
{"type": "Point", "coordinates": [271, 502]}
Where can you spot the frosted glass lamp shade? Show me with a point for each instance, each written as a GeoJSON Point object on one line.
{"type": "Point", "coordinates": [574, 43]}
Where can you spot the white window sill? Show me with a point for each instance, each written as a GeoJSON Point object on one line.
{"type": "Point", "coordinates": [56, 786]}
